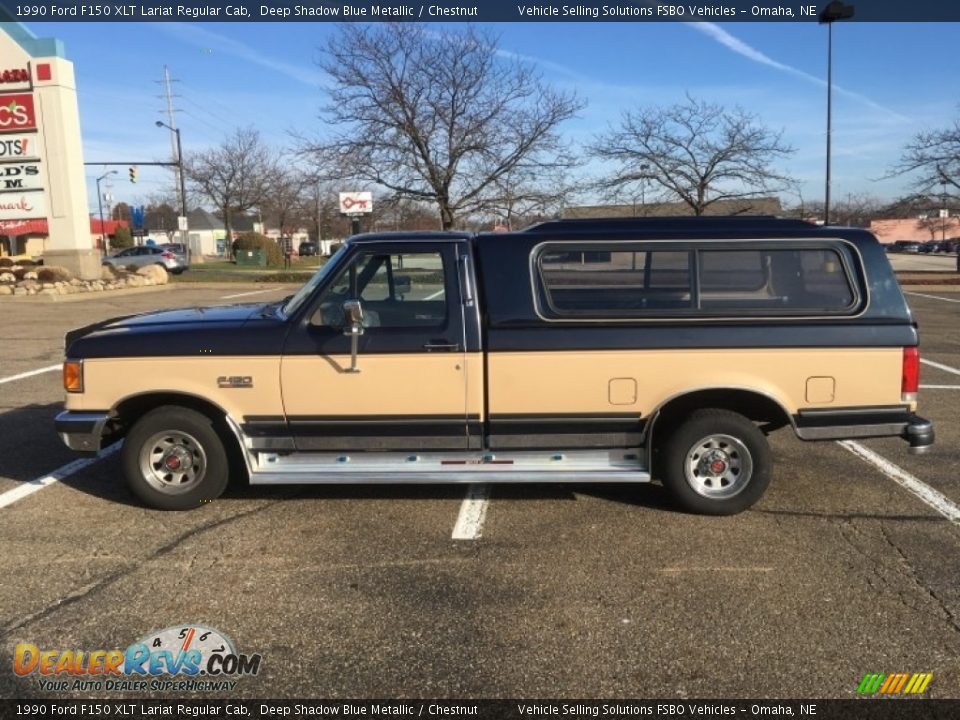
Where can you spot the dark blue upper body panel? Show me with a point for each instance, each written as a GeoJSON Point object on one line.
{"type": "Point", "coordinates": [219, 330]}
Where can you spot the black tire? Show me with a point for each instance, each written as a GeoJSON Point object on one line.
{"type": "Point", "coordinates": [717, 462]}
{"type": "Point", "coordinates": [180, 438]}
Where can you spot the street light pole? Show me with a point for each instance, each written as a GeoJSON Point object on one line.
{"type": "Point", "coordinates": [183, 187]}
{"type": "Point", "coordinates": [103, 234]}
{"type": "Point", "coordinates": [832, 12]}
{"type": "Point", "coordinates": [943, 213]}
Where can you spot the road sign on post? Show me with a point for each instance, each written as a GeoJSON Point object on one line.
{"type": "Point", "coordinates": [355, 204]}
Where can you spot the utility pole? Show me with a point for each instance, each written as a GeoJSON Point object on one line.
{"type": "Point", "coordinates": [176, 150]}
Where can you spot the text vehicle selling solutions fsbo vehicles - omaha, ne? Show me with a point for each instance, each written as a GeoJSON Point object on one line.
{"type": "Point", "coordinates": [574, 351]}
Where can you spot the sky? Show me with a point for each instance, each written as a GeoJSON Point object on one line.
{"type": "Point", "coordinates": [891, 80]}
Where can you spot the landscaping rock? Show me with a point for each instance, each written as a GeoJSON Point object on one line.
{"type": "Point", "coordinates": [156, 272]}
{"type": "Point", "coordinates": [7, 277]}
{"type": "Point", "coordinates": [6, 290]}
{"type": "Point", "coordinates": [30, 275]}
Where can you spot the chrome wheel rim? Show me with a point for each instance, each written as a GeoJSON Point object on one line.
{"type": "Point", "coordinates": [718, 466]}
{"type": "Point", "coordinates": [173, 462]}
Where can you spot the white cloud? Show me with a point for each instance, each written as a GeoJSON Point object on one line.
{"type": "Point", "coordinates": [197, 36]}
{"type": "Point", "coordinates": [717, 33]}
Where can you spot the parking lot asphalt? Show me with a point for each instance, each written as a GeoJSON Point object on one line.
{"type": "Point", "coordinates": [569, 591]}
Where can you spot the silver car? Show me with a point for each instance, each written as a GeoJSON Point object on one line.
{"type": "Point", "coordinates": [181, 251]}
{"type": "Point", "coordinates": [143, 255]}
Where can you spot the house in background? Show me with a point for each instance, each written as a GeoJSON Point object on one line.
{"type": "Point", "coordinates": [207, 235]}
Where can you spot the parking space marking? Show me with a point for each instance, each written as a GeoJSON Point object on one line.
{"type": "Point", "coordinates": [940, 387]}
{"type": "Point", "coordinates": [244, 294]}
{"type": "Point", "coordinates": [935, 499]}
{"type": "Point", "coordinates": [933, 297]}
{"type": "Point", "coordinates": [940, 366]}
{"type": "Point", "coordinates": [435, 295]}
{"type": "Point", "coordinates": [473, 510]}
{"type": "Point", "coordinates": [28, 488]}
{"type": "Point", "coordinates": [23, 376]}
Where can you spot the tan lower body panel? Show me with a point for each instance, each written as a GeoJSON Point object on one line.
{"type": "Point", "coordinates": [569, 382]}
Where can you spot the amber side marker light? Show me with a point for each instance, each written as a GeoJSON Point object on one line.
{"type": "Point", "coordinates": [73, 376]}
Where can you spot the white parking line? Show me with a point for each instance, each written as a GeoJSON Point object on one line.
{"type": "Point", "coordinates": [29, 488]}
{"type": "Point", "coordinates": [472, 513]}
{"type": "Point", "coordinates": [244, 294]}
{"type": "Point", "coordinates": [22, 376]}
{"type": "Point", "coordinates": [940, 366]}
{"type": "Point", "coordinates": [933, 297]}
{"type": "Point", "coordinates": [940, 387]}
{"type": "Point", "coordinates": [935, 499]}
{"type": "Point", "coordinates": [437, 294]}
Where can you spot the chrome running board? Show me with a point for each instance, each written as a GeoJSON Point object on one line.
{"type": "Point", "coordinates": [580, 466]}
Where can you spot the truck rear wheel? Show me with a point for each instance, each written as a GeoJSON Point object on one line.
{"type": "Point", "coordinates": [717, 462]}
{"type": "Point", "coordinates": [173, 459]}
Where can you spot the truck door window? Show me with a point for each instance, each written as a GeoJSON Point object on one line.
{"type": "Point", "coordinates": [396, 290]}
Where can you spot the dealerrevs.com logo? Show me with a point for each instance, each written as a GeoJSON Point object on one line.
{"type": "Point", "coordinates": [179, 658]}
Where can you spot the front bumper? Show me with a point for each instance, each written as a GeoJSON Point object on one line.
{"type": "Point", "coordinates": [81, 431]}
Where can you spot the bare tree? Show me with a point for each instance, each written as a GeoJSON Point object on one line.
{"type": "Point", "coordinates": [526, 194]}
{"type": "Point", "coordinates": [696, 152]}
{"type": "Point", "coordinates": [234, 176]}
{"type": "Point", "coordinates": [934, 155]}
{"type": "Point", "coordinates": [160, 217]}
{"type": "Point", "coordinates": [320, 208]}
{"type": "Point", "coordinates": [284, 204]}
{"type": "Point", "coordinates": [436, 116]}
{"type": "Point", "coordinates": [856, 210]}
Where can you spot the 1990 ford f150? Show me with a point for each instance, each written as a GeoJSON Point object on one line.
{"type": "Point", "coordinates": [574, 351]}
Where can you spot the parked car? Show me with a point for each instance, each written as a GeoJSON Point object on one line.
{"type": "Point", "coordinates": [181, 251]}
{"type": "Point", "coordinates": [143, 255]}
{"type": "Point", "coordinates": [903, 246]}
{"type": "Point", "coordinates": [307, 249]}
{"type": "Point", "coordinates": [930, 247]}
{"type": "Point", "coordinates": [505, 357]}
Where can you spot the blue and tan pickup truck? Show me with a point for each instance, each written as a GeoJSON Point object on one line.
{"type": "Point", "coordinates": [574, 351]}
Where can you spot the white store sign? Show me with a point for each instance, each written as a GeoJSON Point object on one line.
{"type": "Point", "coordinates": [19, 147]}
{"type": "Point", "coordinates": [18, 176]}
{"type": "Point", "coordinates": [23, 205]}
{"type": "Point", "coordinates": [356, 203]}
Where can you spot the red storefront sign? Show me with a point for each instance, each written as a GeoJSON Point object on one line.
{"type": "Point", "coordinates": [16, 112]}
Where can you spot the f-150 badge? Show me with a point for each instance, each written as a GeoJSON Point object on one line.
{"type": "Point", "coordinates": [235, 381]}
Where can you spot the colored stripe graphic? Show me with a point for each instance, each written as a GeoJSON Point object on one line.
{"type": "Point", "coordinates": [894, 683]}
{"type": "Point", "coordinates": [870, 683]}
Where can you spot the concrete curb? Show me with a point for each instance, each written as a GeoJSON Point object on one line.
{"type": "Point", "coordinates": [80, 297]}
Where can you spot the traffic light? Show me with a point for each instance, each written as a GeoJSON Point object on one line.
{"type": "Point", "coordinates": [133, 173]}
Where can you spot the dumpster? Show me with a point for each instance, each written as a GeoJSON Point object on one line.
{"type": "Point", "coordinates": [256, 257]}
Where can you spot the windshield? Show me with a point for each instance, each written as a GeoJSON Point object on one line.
{"type": "Point", "coordinates": [303, 293]}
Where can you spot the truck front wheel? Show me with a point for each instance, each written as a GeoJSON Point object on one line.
{"type": "Point", "coordinates": [716, 462]}
{"type": "Point", "coordinates": [173, 459]}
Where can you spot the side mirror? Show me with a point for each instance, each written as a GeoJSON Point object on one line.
{"type": "Point", "coordinates": [353, 314]}
{"type": "Point", "coordinates": [401, 285]}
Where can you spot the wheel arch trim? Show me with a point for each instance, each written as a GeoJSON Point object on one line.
{"type": "Point", "coordinates": [651, 424]}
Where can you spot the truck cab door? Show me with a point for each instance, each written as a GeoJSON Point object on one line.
{"type": "Point", "coordinates": [378, 360]}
